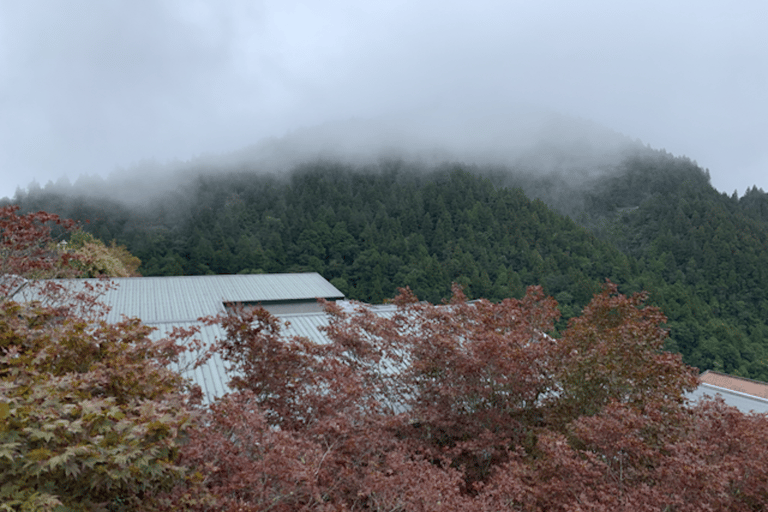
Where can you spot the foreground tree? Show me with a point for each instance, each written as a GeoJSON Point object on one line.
{"type": "Point", "coordinates": [471, 406]}
{"type": "Point", "coordinates": [90, 416]}
{"type": "Point", "coordinates": [28, 250]}
{"type": "Point", "coordinates": [615, 352]}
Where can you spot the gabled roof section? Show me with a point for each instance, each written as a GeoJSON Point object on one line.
{"type": "Point", "coordinates": [745, 394]}
{"type": "Point", "coordinates": [179, 299]}
{"type": "Point", "coordinates": [738, 384]}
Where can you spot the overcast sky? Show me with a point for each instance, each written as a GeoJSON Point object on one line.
{"type": "Point", "coordinates": [87, 87]}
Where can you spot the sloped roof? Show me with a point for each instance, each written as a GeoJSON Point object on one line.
{"type": "Point", "coordinates": [747, 395]}
{"type": "Point", "coordinates": [733, 383]}
{"type": "Point", "coordinates": [178, 299]}
{"type": "Point", "coordinates": [168, 302]}
{"type": "Point", "coordinates": [214, 375]}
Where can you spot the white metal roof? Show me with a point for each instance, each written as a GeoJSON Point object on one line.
{"type": "Point", "coordinates": [214, 375]}
{"type": "Point", "coordinates": [168, 302]}
{"type": "Point", "coordinates": [179, 301]}
{"type": "Point", "coordinates": [175, 299]}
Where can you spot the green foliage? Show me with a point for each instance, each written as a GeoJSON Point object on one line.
{"type": "Point", "coordinates": [376, 230]}
{"type": "Point", "coordinates": [94, 259]}
{"type": "Point", "coordinates": [90, 415]}
{"type": "Point", "coordinates": [651, 222]}
{"type": "Point", "coordinates": [701, 255]}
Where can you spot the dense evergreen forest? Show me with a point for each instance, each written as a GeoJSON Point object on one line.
{"type": "Point", "coordinates": [652, 222]}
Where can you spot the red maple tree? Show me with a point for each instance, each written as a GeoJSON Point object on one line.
{"type": "Point", "coordinates": [471, 406]}
{"type": "Point", "coordinates": [90, 414]}
{"type": "Point", "coordinates": [459, 406]}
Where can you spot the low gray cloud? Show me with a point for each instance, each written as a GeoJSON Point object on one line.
{"type": "Point", "coordinates": [88, 87]}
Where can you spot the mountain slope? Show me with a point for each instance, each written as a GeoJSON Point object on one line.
{"type": "Point", "coordinates": [651, 221]}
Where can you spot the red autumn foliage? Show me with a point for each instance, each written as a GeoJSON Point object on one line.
{"type": "Point", "coordinates": [31, 259]}
{"type": "Point", "coordinates": [91, 417]}
{"type": "Point", "coordinates": [615, 351]}
{"type": "Point", "coordinates": [462, 406]}
{"type": "Point", "coordinates": [471, 406]}
{"type": "Point", "coordinates": [26, 246]}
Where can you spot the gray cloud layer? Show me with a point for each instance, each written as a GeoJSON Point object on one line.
{"type": "Point", "coordinates": [88, 86]}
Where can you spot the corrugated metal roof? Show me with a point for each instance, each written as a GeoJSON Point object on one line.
{"type": "Point", "coordinates": [306, 325]}
{"type": "Point", "coordinates": [213, 375]}
{"type": "Point", "coordinates": [177, 299]}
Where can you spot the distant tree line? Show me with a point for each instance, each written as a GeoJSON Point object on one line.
{"type": "Point", "coordinates": [485, 412]}
{"type": "Point", "coordinates": [653, 223]}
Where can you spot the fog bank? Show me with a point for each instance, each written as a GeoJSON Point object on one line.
{"type": "Point", "coordinates": [523, 140]}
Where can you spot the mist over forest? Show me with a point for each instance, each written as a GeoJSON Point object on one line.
{"type": "Point", "coordinates": [554, 152]}
{"type": "Point", "coordinates": [524, 139]}
{"type": "Point", "coordinates": [374, 206]}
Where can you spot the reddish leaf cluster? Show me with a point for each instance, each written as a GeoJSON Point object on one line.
{"type": "Point", "coordinates": [615, 351]}
{"type": "Point", "coordinates": [90, 415]}
{"type": "Point", "coordinates": [26, 246]}
{"type": "Point", "coordinates": [471, 406]}
{"type": "Point", "coordinates": [462, 406]}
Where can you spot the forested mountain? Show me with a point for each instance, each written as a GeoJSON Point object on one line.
{"type": "Point", "coordinates": [651, 221]}
{"type": "Point", "coordinates": [705, 257]}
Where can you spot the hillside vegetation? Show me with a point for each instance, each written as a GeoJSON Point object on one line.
{"type": "Point", "coordinates": [485, 412]}
{"type": "Point", "coordinates": [651, 222]}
